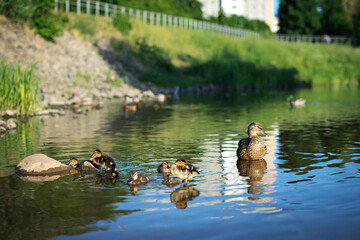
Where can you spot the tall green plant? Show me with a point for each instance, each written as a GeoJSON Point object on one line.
{"type": "Point", "coordinates": [19, 88]}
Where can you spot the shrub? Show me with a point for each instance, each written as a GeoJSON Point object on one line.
{"type": "Point", "coordinates": [122, 23]}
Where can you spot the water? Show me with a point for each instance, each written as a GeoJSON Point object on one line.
{"type": "Point", "coordinates": [306, 187]}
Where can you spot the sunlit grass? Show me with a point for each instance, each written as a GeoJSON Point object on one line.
{"type": "Point", "coordinates": [203, 57]}
{"type": "Point", "coordinates": [19, 88]}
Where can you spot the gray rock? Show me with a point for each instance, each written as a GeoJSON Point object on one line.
{"type": "Point", "coordinates": [40, 164]}
{"type": "Point", "coordinates": [11, 124]}
{"type": "Point", "coordinates": [3, 124]}
{"type": "Point", "coordinates": [2, 130]}
{"type": "Point", "coordinates": [10, 113]}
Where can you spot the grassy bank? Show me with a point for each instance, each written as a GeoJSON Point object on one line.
{"type": "Point", "coordinates": [19, 88]}
{"type": "Point", "coordinates": [214, 58]}
{"type": "Point", "coordinates": [177, 57]}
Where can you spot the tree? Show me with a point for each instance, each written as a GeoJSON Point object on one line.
{"type": "Point", "coordinates": [334, 19]}
{"type": "Point", "coordinates": [299, 17]}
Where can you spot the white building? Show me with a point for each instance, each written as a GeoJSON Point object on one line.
{"type": "Point", "coordinates": [251, 9]}
{"type": "Point", "coordinates": [210, 7]}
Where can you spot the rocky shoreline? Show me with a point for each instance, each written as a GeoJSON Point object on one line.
{"type": "Point", "coordinates": [72, 71]}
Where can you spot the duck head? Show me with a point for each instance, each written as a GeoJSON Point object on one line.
{"type": "Point", "coordinates": [73, 162]}
{"type": "Point", "coordinates": [181, 162]}
{"type": "Point", "coordinates": [97, 153]}
{"type": "Point", "coordinates": [256, 128]}
{"type": "Point", "coordinates": [165, 164]}
{"type": "Point", "coordinates": [134, 175]}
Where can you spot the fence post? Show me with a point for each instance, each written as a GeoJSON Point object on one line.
{"type": "Point", "coordinates": [164, 20]}
{"type": "Point", "coordinates": [56, 5]}
{"type": "Point", "coordinates": [67, 6]}
{"type": "Point", "coordinates": [175, 21]}
{"type": "Point", "coordinates": [131, 12]}
{"type": "Point", "coordinates": [78, 7]}
{"type": "Point", "coordinates": [106, 9]}
{"type": "Point", "coordinates": [87, 7]}
{"type": "Point", "coordinates": [151, 18]}
{"type": "Point", "coordinates": [170, 20]}
{"type": "Point", "coordinates": [115, 10]}
{"type": "Point", "coordinates": [138, 14]}
{"type": "Point", "coordinates": [145, 17]}
{"type": "Point", "coordinates": [123, 11]}
{"type": "Point", "coordinates": [181, 22]}
{"type": "Point", "coordinates": [157, 19]}
{"type": "Point", "coordinates": [97, 8]}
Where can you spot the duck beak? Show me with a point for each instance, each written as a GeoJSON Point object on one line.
{"type": "Point", "coordinates": [264, 133]}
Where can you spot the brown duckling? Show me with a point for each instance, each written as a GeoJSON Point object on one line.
{"type": "Point", "coordinates": [252, 147]}
{"type": "Point", "coordinates": [183, 170]}
{"type": "Point", "coordinates": [164, 167]}
{"type": "Point", "coordinates": [84, 166]}
{"type": "Point", "coordinates": [137, 179]}
{"type": "Point", "coordinates": [101, 160]}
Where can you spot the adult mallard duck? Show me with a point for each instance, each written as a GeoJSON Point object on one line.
{"type": "Point", "coordinates": [164, 167]}
{"type": "Point", "coordinates": [101, 160]}
{"type": "Point", "coordinates": [296, 103]}
{"type": "Point", "coordinates": [183, 170]}
{"type": "Point", "coordinates": [252, 147]}
{"type": "Point", "coordinates": [137, 179]}
{"type": "Point", "coordinates": [84, 166]}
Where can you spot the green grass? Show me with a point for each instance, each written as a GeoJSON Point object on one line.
{"type": "Point", "coordinates": [174, 56]}
{"type": "Point", "coordinates": [215, 58]}
{"type": "Point", "coordinates": [19, 88]}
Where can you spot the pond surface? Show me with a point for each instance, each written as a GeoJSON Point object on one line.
{"type": "Point", "coordinates": [306, 187]}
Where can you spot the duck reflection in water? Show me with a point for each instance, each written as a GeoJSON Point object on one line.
{"type": "Point", "coordinates": [255, 170]}
{"type": "Point", "coordinates": [135, 180]}
{"type": "Point", "coordinates": [182, 195]}
{"type": "Point", "coordinates": [169, 181]}
{"type": "Point", "coordinates": [106, 178]}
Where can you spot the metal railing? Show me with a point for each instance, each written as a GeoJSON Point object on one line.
{"type": "Point", "coordinates": [313, 38]}
{"type": "Point", "coordinates": [161, 19]}
{"type": "Point", "coordinates": [147, 17]}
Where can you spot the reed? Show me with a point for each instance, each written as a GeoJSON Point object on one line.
{"type": "Point", "coordinates": [19, 88]}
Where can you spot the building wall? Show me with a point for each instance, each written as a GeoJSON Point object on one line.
{"type": "Point", "coordinates": [251, 9]}
{"type": "Point", "coordinates": [210, 7]}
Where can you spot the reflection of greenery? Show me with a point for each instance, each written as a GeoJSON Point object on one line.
{"type": "Point", "coordinates": [62, 207]}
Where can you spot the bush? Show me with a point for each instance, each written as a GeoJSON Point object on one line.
{"type": "Point", "coordinates": [122, 23]}
{"type": "Point", "coordinates": [44, 21]}
{"type": "Point", "coordinates": [19, 10]}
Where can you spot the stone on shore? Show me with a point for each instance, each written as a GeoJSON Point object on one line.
{"type": "Point", "coordinates": [11, 123]}
{"type": "Point", "coordinates": [38, 164]}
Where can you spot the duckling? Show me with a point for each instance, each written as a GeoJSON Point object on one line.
{"type": "Point", "coordinates": [252, 147]}
{"type": "Point", "coordinates": [137, 179]}
{"type": "Point", "coordinates": [101, 160]}
{"type": "Point", "coordinates": [164, 167]}
{"type": "Point", "coordinates": [84, 166]}
{"type": "Point", "coordinates": [296, 103]}
{"type": "Point", "coordinates": [183, 170]}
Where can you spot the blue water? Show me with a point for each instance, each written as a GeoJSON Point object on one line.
{"type": "Point", "coordinates": [306, 187]}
